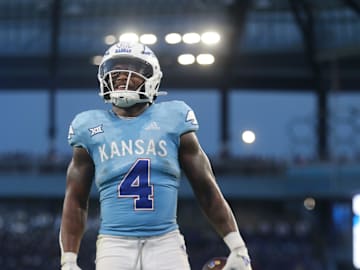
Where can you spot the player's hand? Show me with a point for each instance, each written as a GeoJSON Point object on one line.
{"type": "Point", "coordinates": [238, 260]}
{"type": "Point", "coordinates": [70, 266]}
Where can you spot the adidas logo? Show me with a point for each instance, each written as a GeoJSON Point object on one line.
{"type": "Point", "coordinates": [152, 126]}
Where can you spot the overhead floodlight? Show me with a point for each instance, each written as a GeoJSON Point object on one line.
{"type": "Point", "coordinates": [148, 39]}
{"type": "Point", "coordinates": [205, 59]}
{"type": "Point", "coordinates": [96, 60]}
{"type": "Point", "coordinates": [110, 39]}
{"type": "Point", "coordinates": [248, 136]}
{"type": "Point", "coordinates": [173, 38]}
{"type": "Point", "coordinates": [129, 37]}
{"type": "Point", "coordinates": [191, 38]}
{"type": "Point", "coordinates": [210, 38]}
{"type": "Point", "coordinates": [309, 203]}
{"type": "Point", "coordinates": [186, 59]}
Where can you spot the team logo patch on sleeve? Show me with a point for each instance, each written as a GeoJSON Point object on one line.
{"type": "Point", "coordinates": [96, 130]}
{"type": "Point", "coordinates": [190, 117]}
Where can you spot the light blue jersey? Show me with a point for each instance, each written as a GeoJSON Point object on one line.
{"type": "Point", "coordinates": [137, 169]}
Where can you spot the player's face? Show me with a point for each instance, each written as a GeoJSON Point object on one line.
{"type": "Point", "coordinates": [123, 80]}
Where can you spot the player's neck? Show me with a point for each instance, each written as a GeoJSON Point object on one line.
{"type": "Point", "coordinates": [132, 111]}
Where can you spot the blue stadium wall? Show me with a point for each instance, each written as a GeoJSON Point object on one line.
{"type": "Point", "coordinates": [321, 181]}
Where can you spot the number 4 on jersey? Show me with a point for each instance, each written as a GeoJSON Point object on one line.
{"type": "Point", "coordinates": [136, 184]}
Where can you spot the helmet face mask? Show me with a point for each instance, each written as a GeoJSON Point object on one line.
{"type": "Point", "coordinates": [122, 82]}
{"type": "Point", "coordinates": [129, 74]}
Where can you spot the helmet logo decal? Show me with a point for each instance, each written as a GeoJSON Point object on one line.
{"type": "Point", "coordinates": [123, 48]}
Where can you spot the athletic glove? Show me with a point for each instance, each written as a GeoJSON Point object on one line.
{"type": "Point", "coordinates": [239, 257]}
{"type": "Point", "coordinates": [68, 261]}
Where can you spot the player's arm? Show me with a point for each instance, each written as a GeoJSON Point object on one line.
{"type": "Point", "coordinates": [197, 169]}
{"type": "Point", "coordinates": [79, 178]}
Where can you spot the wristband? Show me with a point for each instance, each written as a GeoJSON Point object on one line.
{"type": "Point", "coordinates": [68, 257]}
{"type": "Point", "coordinates": [234, 240]}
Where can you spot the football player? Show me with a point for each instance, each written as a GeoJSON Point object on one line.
{"type": "Point", "coordinates": [135, 152]}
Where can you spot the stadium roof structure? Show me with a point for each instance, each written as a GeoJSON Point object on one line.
{"type": "Point", "coordinates": [282, 45]}
{"type": "Point", "coordinates": [265, 44]}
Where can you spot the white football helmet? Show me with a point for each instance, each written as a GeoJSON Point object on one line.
{"type": "Point", "coordinates": [135, 60]}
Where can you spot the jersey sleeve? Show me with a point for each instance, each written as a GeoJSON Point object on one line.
{"type": "Point", "coordinates": [76, 136]}
{"type": "Point", "coordinates": [187, 119]}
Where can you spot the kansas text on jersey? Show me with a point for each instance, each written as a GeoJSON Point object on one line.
{"type": "Point", "coordinates": [137, 170]}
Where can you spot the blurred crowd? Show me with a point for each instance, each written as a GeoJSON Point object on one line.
{"type": "Point", "coordinates": [52, 163]}
{"type": "Point", "coordinates": [29, 237]}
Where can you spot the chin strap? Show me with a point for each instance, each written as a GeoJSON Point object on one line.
{"type": "Point", "coordinates": [125, 102]}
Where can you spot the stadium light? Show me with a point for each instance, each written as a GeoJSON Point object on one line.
{"type": "Point", "coordinates": [148, 39]}
{"type": "Point", "coordinates": [173, 38]}
{"type": "Point", "coordinates": [109, 39]}
{"type": "Point", "coordinates": [248, 137]}
{"type": "Point", "coordinates": [186, 59]}
{"type": "Point", "coordinates": [191, 38]}
{"type": "Point", "coordinates": [210, 38]}
{"type": "Point", "coordinates": [129, 37]}
{"type": "Point", "coordinates": [205, 59]}
{"type": "Point", "coordinates": [96, 60]}
{"type": "Point", "coordinates": [309, 203]}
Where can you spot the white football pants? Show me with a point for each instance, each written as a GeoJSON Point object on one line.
{"type": "Point", "coordinates": [165, 252]}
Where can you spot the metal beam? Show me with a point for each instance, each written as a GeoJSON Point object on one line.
{"type": "Point", "coordinates": [237, 12]}
{"type": "Point", "coordinates": [53, 68]}
{"type": "Point", "coordinates": [304, 16]}
{"type": "Point", "coordinates": [282, 72]}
